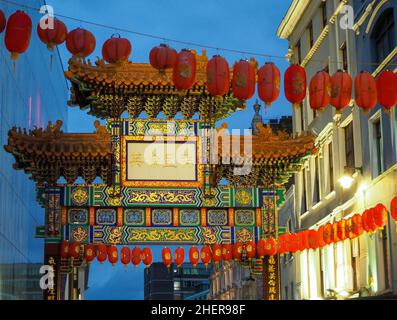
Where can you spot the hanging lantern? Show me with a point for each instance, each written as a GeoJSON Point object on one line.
{"type": "Point", "coordinates": [341, 90]}
{"type": "Point", "coordinates": [380, 215]}
{"type": "Point", "coordinates": [366, 93]}
{"type": "Point", "coordinates": [327, 233]}
{"type": "Point", "coordinates": [184, 71]}
{"type": "Point", "coordinates": [357, 225]}
{"type": "Point", "coordinates": [368, 220]}
{"type": "Point", "coordinates": [294, 242]}
{"type": "Point", "coordinates": [218, 79]}
{"type": "Point", "coordinates": [125, 256]}
{"type": "Point", "coordinates": [147, 256]}
{"type": "Point", "coordinates": [18, 33]}
{"type": "Point", "coordinates": [261, 248]}
{"type": "Point", "coordinates": [386, 85]}
{"type": "Point", "coordinates": [243, 81]}
{"type": "Point", "coordinates": [166, 255]}
{"type": "Point", "coordinates": [227, 252]}
{"type": "Point", "coordinates": [113, 255]}
{"type": "Point", "coordinates": [282, 245]}
{"type": "Point", "coordinates": [216, 253]}
{"type": "Point", "coordinates": [205, 255]}
{"type": "Point", "coordinates": [116, 49]}
{"type": "Point", "coordinates": [349, 229]}
{"type": "Point", "coordinates": [271, 247]}
{"type": "Point", "coordinates": [334, 232]}
{"type": "Point", "coordinates": [237, 251]}
{"type": "Point", "coordinates": [101, 253]}
{"type": "Point", "coordinates": [268, 83]}
{"type": "Point", "coordinates": [320, 90]}
{"type": "Point", "coordinates": [162, 57]}
{"type": "Point", "coordinates": [80, 42]}
{"type": "Point", "coordinates": [89, 253]}
{"type": "Point", "coordinates": [250, 248]}
{"type": "Point", "coordinates": [295, 84]}
{"type": "Point", "coordinates": [320, 237]}
{"type": "Point", "coordinates": [136, 256]}
{"type": "Point", "coordinates": [179, 256]}
{"type": "Point", "coordinates": [313, 239]}
{"type": "Point", "coordinates": [74, 250]}
{"type": "Point", "coordinates": [303, 240]}
{"type": "Point", "coordinates": [194, 256]}
{"type": "Point", "coordinates": [341, 231]}
{"type": "Point", "coordinates": [54, 36]}
{"type": "Point", "coordinates": [393, 208]}
{"type": "Point", "coordinates": [65, 249]}
{"type": "Point", "coordinates": [3, 21]}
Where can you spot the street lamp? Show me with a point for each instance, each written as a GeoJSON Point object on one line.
{"type": "Point", "coordinates": [346, 180]}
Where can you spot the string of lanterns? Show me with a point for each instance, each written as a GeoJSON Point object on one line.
{"type": "Point", "coordinates": [371, 220]}
{"type": "Point", "coordinates": [324, 89]}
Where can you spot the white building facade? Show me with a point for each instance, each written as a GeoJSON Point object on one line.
{"type": "Point", "coordinates": [350, 144]}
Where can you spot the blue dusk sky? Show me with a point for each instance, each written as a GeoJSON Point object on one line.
{"type": "Point", "coordinates": [248, 25]}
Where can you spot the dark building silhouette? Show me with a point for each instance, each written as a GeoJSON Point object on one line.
{"type": "Point", "coordinates": [184, 283]}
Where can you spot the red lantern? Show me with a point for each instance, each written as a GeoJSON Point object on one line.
{"type": "Point", "coordinates": [334, 232]}
{"type": "Point", "coordinates": [3, 21]}
{"type": "Point", "coordinates": [18, 33]}
{"type": "Point", "coordinates": [227, 252]}
{"type": "Point", "coordinates": [320, 237]}
{"type": "Point", "coordinates": [386, 85]}
{"type": "Point", "coordinates": [237, 251]}
{"type": "Point", "coordinates": [349, 229]}
{"type": "Point", "coordinates": [341, 90]}
{"type": "Point", "coordinates": [53, 36]}
{"type": "Point", "coordinates": [393, 208]}
{"type": "Point", "coordinates": [282, 245]}
{"type": "Point", "coordinates": [116, 49]}
{"type": "Point", "coordinates": [80, 42]}
{"type": "Point", "coordinates": [89, 253]}
{"type": "Point", "coordinates": [147, 256]}
{"type": "Point", "coordinates": [380, 215]}
{"type": "Point", "coordinates": [113, 255]}
{"type": "Point", "coordinates": [327, 233]}
{"type": "Point", "coordinates": [125, 256]}
{"type": "Point", "coordinates": [217, 252]}
{"type": "Point", "coordinates": [341, 231]}
{"type": "Point", "coordinates": [101, 253]}
{"type": "Point", "coordinates": [261, 248]}
{"type": "Point", "coordinates": [303, 237]}
{"type": "Point", "coordinates": [268, 83]}
{"type": "Point", "coordinates": [65, 249]}
{"type": "Point", "coordinates": [250, 248]}
{"type": "Point", "coordinates": [136, 256]}
{"type": "Point", "coordinates": [271, 247]}
{"type": "Point", "coordinates": [74, 250]}
{"type": "Point", "coordinates": [206, 255]}
{"type": "Point", "coordinates": [320, 90]}
{"type": "Point", "coordinates": [357, 225]}
{"type": "Point", "coordinates": [179, 256]}
{"type": "Point", "coordinates": [366, 93]}
{"type": "Point", "coordinates": [294, 243]}
{"type": "Point", "coordinates": [295, 84]}
{"type": "Point", "coordinates": [243, 81]}
{"type": "Point", "coordinates": [368, 220]}
{"type": "Point", "coordinates": [218, 76]}
{"type": "Point", "coordinates": [184, 72]}
{"type": "Point", "coordinates": [166, 255]}
{"type": "Point", "coordinates": [313, 239]}
{"type": "Point", "coordinates": [194, 256]}
{"type": "Point", "coordinates": [162, 57]}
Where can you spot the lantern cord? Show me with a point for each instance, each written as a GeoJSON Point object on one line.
{"type": "Point", "coordinates": [188, 43]}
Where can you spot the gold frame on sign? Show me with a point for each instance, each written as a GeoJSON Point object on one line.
{"type": "Point", "coordinates": [142, 183]}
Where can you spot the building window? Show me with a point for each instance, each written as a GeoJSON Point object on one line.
{"type": "Point", "coordinates": [298, 52]}
{"type": "Point", "coordinates": [324, 16]}
{"type": "Point", "coordinates": [377, 147]}
{"type": "Point", "coordinates": [331, 167]}
{"type": "Point", "coordinates": [343, 55]}
{"type": "Point", "coordinates": [383, 36]}
{"type": "Point", "coordinates": [349, 145]}
{"type": "Point", "coordinates": [304, 193]}
{"type": "Point", "coordinates": [310, 34]}
{"type": "Point", "coordinates": [316, 186]}
{"type": "Point", "coordinates": [301, 116]}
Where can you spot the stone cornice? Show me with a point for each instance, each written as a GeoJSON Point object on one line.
{"type": "Point", "coordinates": [292, 17]}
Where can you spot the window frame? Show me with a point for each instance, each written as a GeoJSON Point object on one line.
{"type": "Point", "coordinates": [376, 118]}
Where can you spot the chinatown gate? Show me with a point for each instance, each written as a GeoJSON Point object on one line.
{"type": "Point", "coordinates": [143, 197]}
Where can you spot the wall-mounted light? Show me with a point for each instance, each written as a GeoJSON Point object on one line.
{"type": "Point", "coordinates": [346, 181]}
